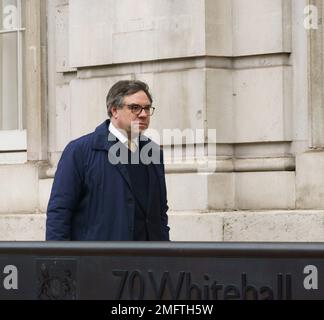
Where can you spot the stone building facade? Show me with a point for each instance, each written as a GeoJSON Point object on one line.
{"type": "Point", "coordinates": [250, 69]}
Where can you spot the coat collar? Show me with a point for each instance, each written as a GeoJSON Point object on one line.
{"type": "Point", "coordinates": [100, 141]}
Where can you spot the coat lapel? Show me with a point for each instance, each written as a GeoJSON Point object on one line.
{"type": "Point", "coordinates": [101, 142]}
{"type": "Point", "coordinates": [116, 162]}
{"type": "Point", "coordinates": [150, 187]}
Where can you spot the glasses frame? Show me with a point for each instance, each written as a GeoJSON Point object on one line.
{"type": "Point", "coordinates": [149, 113]}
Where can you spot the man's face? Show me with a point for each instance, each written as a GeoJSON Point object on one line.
{"type": "Point", "coordinates": [125, 119]}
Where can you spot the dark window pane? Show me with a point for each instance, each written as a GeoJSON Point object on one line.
{"type": "Point", "coordinates": [8, 82]}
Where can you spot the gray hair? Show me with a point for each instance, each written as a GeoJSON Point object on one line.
{"type": "Point", "coordinates": [123, 88]}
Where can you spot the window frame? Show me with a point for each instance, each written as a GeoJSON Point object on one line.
{"type": "Point", "coordinates": [16, 140]}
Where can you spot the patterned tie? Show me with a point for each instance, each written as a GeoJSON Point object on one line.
{"type": "Point", "coordinates": [132, 145]}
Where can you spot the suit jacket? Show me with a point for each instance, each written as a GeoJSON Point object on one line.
{"type": "Point", "coordinates": [92, 197]}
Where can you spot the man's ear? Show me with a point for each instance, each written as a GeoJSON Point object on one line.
{"type": "Point", "coordinates": [114, 111]}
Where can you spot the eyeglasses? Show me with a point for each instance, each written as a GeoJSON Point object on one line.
{"type": "Point", "coordinates": [137, 109]}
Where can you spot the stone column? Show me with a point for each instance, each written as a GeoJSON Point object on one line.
{"type": "Point", "coordinates": [35, 61]}
{"type": "Point", "coordinates": [316, 78]}
{"type": "Point", "coordinates": [310, 164]}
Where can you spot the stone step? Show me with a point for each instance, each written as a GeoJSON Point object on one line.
{"type": "Point", "coordinates": [270, 225]}
{"type": "Point", "coordinates": [285, 225]}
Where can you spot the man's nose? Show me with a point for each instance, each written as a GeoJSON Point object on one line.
{"type": "Point", "coordinates": [143, 114]}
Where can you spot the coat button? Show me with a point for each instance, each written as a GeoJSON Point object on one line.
{"type": "Point", "coordinates": [129, 200]}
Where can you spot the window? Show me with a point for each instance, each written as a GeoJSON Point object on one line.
{"type": "Point", "coordinates": [12, 118]}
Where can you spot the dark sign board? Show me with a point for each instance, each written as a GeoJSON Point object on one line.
{"type": "Point", "coordinates": [159, 271]}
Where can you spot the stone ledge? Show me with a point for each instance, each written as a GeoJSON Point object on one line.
{"type": "Point", "coordinates": [285, 225]}
{"type": "Point", "coordinates": [191, 226]}
{"type": "Point", "coordinates": [274, 226]}
{"type": "Point", "coordinates": [22, 227]}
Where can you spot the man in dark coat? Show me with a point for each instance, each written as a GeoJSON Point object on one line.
{"type": "Point", "coordinates": [110, 184]}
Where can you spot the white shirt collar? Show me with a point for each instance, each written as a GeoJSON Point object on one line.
{"type": "Point", "coordinates": [120, 136]}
